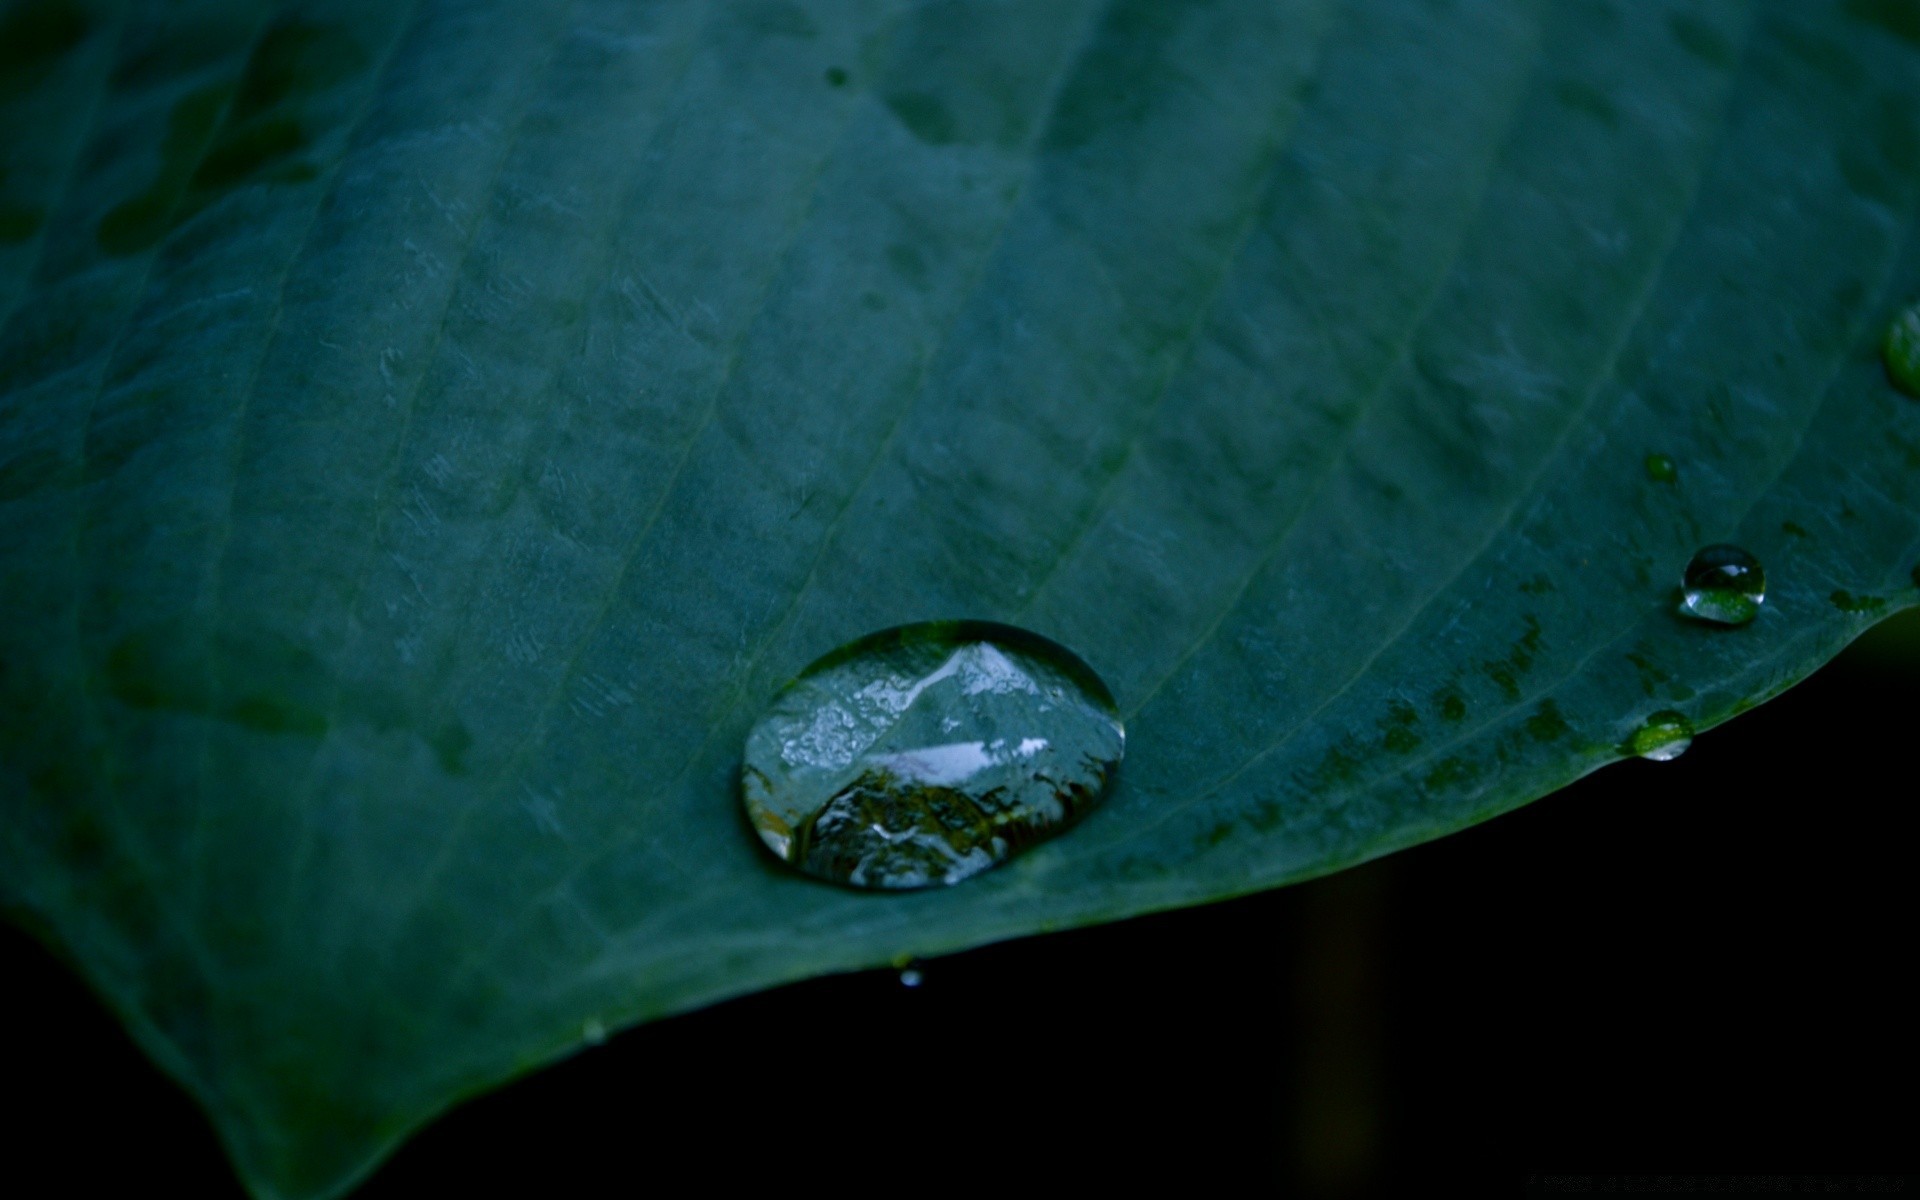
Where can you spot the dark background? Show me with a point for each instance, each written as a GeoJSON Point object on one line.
{"type": "Point", "coordinates": [1691, 966]}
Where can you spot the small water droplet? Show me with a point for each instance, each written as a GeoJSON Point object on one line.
{"type": "Point", "coordinates": [912, 978]}
{"type": "Point", "coordinates": [1724, 585]}
{"type": "Point", "coordinates": [1661, 469]}
{"type": "Point", "coordinates": [928, 753]}
{"type": "Point", "coordinates": [1902, 351]}
{"type": "Point", "coordinates": [593, 1032]}
{"type": "Point", "coordinates": [1664, 736]}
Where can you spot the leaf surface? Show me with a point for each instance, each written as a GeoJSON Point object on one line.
{"type": "Point", "coordinates": [430, 433]}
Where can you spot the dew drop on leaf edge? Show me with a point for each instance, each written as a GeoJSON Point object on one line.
{"type": "Point", "coordinates": [924, 754]}
{"type": "Point", "coordinates": [1663, 736]}
{"type": "Point", "coordinates": [1902, 351]}
{"type": "Point", "coordinates": [1723, 585]}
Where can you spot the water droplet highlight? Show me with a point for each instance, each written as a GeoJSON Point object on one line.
{"type": "Point", "coordinates": [1723, 584]}
{"type": "Point", "coordinates": [928, 753]}
{"type": "Point", "coordinates": [912, 978]}
{"type": "Point", "coordinates": [1661, 469]}
{"type": "Point", "coordinates": [1902, 351]}
{"type": "Point", "coordinates": [1664, 736]}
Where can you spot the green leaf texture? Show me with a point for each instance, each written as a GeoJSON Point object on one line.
{"type": "Point", "coordinates": [430, 432]}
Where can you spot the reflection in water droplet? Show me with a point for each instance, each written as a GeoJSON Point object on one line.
{"type": "Point", "coordinates": [1902, 351]}
{"type": "Point", "coordinates": [912, 978]}
{"type": "Point", "coordinates": [1661, 469]}
{"type": "Point", "coordinates": [1723, 584]}
{"type": "Point", "coordinates": [1665, 735]}
{"type": "Point", "coordinates": [925, 754]}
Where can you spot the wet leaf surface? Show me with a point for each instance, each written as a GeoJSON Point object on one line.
{"type": "Point", "coordinates": [430, 434]}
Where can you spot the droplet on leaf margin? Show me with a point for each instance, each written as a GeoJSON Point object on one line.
{"type": "Point", "coordinates": [925, 754]}
{"type": "Point", "coordinates": [1663, 736]}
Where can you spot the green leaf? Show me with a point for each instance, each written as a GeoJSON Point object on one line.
{"type": "Point", "coordinates": [428, 435]}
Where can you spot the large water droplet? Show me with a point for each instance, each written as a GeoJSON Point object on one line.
{"type": "Point", "coordinates": [1723, 584]}
{"type": "Point", "coordinates": [928, 753]}
{"type": "Point", "coordinates": [1902, 351]}
{"type": "Point", "coordinates": [1664, 736]}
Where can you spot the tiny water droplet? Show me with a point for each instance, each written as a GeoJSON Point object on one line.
{"type": "Point", "coordinates": [1664, 736]}
{"type": "Point", "coordinates": [928, 753]}
{"type": "Point", "coordinates": [1723, 584]}
{"type": "Point", "coordinates": [1661, 469]}
{"type": "Point", "coordinates": [593, 1032]}
{"type": "Point", "coordinates": [1902, 351]}
{"type": "Point", "coordinates": [912, 978]}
